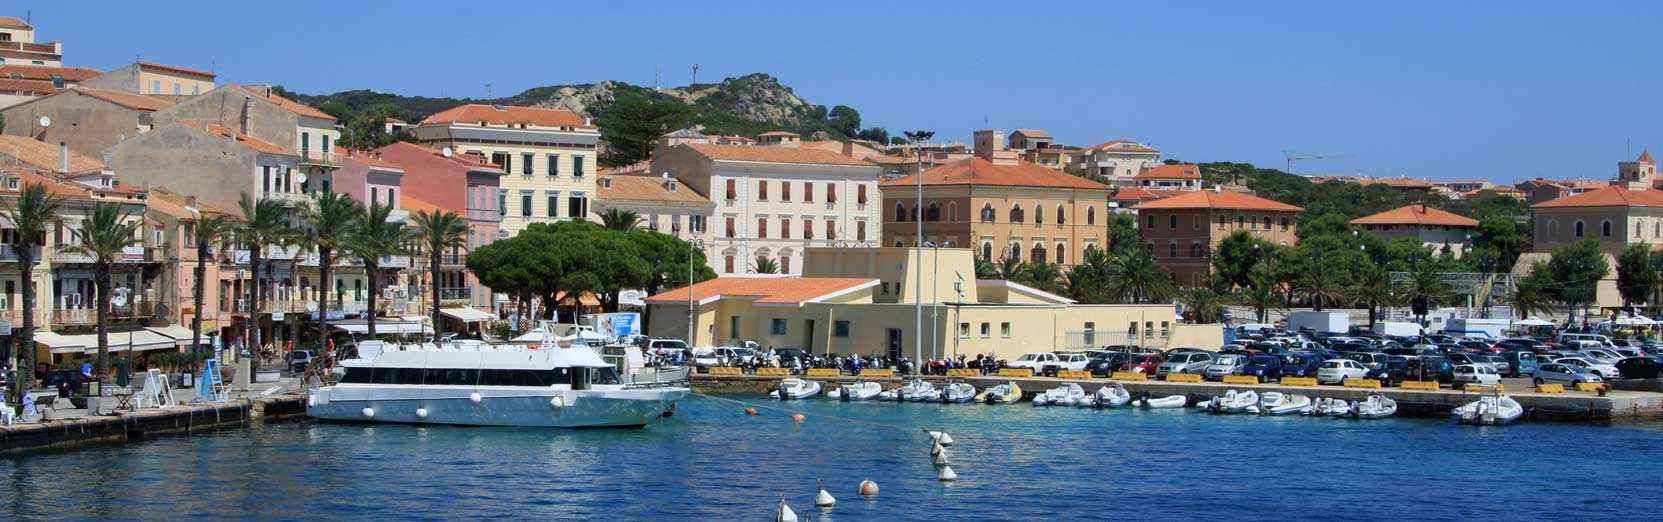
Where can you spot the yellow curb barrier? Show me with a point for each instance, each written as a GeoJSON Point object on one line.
{"type": "Point", "coordinates": [1589, 386]}
{"type": "Point", "coordinates": [1299, 381]}
{"type": "Point", "coordinates": [1419, 385]}
{"type": "Point", "coordinates": [1016, 372]}
{"type": "Point", "coordinates": [1361, 383]}
{"type": "Point", "coordinates": [964, 372]}
{"type": "Point", "coordinates": [726, 370]}
{"type": "Point", "coordinates": [1476, 388]}
{"type": "Point", "coordinates": [1129, 376]}
{"type": "Point", "coordinates": [1183, 377]}
{"type": "Point", "coordinates": [1073, 374]}
{"type": "Point", "coordinates": [1550, 388]}
{"type": "Point", "coordinates": [773, 372]}
{"type": "Point", "coordinates": [1240, 379]}
{"type": "Point", "coordinates": [877, 372]}
{"type": "Point", "coordinates": [824, 372]}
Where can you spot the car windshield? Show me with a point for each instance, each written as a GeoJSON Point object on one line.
{"type": "Point", "coordinates": [1331, 364]}
{"type": "Point", "coordinates": [1265, 360]}
{"type": "Point", "coordinates": [671, 345]}
{"type": "Point", "coordinates": [744, 352]}
{"type": "Point", "coordinates": [1229, 359]}
{"type": "Point", "coordinates": [1028, 357]}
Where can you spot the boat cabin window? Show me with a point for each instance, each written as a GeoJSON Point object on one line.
{"type": "Point", "coordinates": [457, 376]}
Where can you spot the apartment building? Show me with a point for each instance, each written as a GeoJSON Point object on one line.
{"type": "Point", "coordinates": [1117, 162]}
{"type": "Point", "coordinates": [465, 184]}
{"type": "Point", "coordinates": [170, 82]}
{"type": "Point", "coordinates": [1182, 231]}
{"type": "Point", "coordinates": [772, 202]}
{"type": "Point", "coordinates": [21, 83]}
{"type": "Point", "coordinates": [89, 121]}
{"type": "Point", "coordinates": [214, 162]}
{"type": "Point", "coordinates": [1179, 176]}
{"type": "Point", "coordinates": [1438, 229]}
{"type": "Point", "coordinates": [258, 112]}
{"type": "Point", "coordinates": [1038, 147]}
{"type": "Point", "coordinates": [548, 157]}
{"type": "Point", "coordinates": [18, 45]}
{"type": "Point", "coordinates": [999, 206]}
{"type": "Point", "coordinates": [664, 204]}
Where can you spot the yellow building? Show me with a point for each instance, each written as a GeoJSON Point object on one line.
{"type": "Point", "coordinates": [548, 157]}
{"type": "Point", "coordinates": [864, 301]}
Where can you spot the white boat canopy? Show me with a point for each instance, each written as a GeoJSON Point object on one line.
{"type": "Point", "coordinates": [1533, 321]}
{"type": "Point", "coordinates": [180, 333]}
{"type": "Point", "coordinates": [467, 314]}
{"type": "Point", "coordinates": [119, 341]}
{"type": "Point", "coordinates": [382, 327]}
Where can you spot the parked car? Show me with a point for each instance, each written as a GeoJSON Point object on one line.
{"type": "Point", "coordinates": [1144, 364]}
{"type": "Point", "coordinates": [1475, 345]}
{"type": "Point", "coordinates": [1370, 360]}
{"type": "Point", "coordinates": [1601, 368]}
{"type": "Point", "coordinates": [1185, 362]}
{"type": "Point", "coordinates": [1460, 358]}
{"type": "Point", "coordinates": [1265, 368]}
{"type": "Point", "coordinates": [1600, 340]}
{"type": "Point", "coordinates": [1639, 368]}
{"type": "Point", "coordinates": [735, 356]}
{"type": "Point", "coordinates": [1523, 363]}
{"type": "Point", "coordinates": [1066, 361]}
{"type": "Point", "coordinates": [1496, 361]}
{"type": "Point", "coordinates": [1433, 368]}
{"type": "Point", "coordinates": [1107, 363]}
{"type": "Point", "coordinates": [1224, 365]}
{"type": "Point", "coordinates": [1036, 361]}
{"type": "Point", "coordinates": [1392, 372]}
{"type": "Point", "coordinates": [1300, 365]}
{"type": "Point", "coordinates": [1565, 374]}
{"type": "Point", "coordinates": [705, 357]}
{"type": "Point", "coordinates": [1336, 371]}
{"type": "Point", "coordinates": [1466, 374]}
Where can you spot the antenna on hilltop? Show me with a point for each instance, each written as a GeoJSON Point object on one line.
{"type": "Point", "coordinates": [695, 75]}
{"type": "Point", "coordinates": [655, 76]}
{"type": "Point", "coordinates": [488, 90]}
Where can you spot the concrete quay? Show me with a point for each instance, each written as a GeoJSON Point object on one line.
{"type": "Point", "coordinates": [138, 425]}
{"type": "Point", "coordinates": [1570, 407]}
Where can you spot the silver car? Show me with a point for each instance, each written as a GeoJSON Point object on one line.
{"type": "Point", "coordinates": [1225, 365]}
{"type": "Point", "coordinates": [1186, 362]}
{"type": "Point", "coordinates": [1564, 374]}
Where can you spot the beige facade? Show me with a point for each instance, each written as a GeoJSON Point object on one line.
{"type": "Point", "coordinates": [155, 79]}
{"type": "Point", "coordinates": [1182, 231]}
{"type": "Point", "coordinates": [1034, 224]}
{"type": "Point", "coordinates": [548, 157]}
{"type": "Point", "coordinates": [663, 204]}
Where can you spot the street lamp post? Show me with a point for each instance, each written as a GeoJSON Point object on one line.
{"type": "Point", "coordinates": [692, 245]}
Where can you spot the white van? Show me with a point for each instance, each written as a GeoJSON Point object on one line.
{"type": "Point", "coordinates": [1567, 338]}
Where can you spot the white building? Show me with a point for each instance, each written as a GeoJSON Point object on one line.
{"type": "Point", "coordinates": [1117, 162]}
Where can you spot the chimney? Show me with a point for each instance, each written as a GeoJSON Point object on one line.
{"type": "Point", "coordinates": [242, 120]}
{"type": "Point", "coordinates": [63, 158]}
{"type": "Point", "coordinates": [848, 148]}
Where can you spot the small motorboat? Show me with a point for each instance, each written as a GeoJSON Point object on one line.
{"type": "Point", "coordinates": [958, 393]}
{"type": "Point", "coordinates": [1007, 393]}
{"type": "Point", "coordinates": [859, 391]}
{"type": "Point", "coordinates": [889, 395]}
{"type": "Point", "coordinates": [915, 390]}
{"type": "Point", "coordinates": [1277, 403]}
{"type": "Point", "coordinates": [794, 388]}
{"type": "Point", "coordinates": [1069, 394]}
{"type": "Point", "coordinates": [1110, 397]}
{"type": "Point", "coordinates": [931, 395]}
{"type": "Point", "coordinates": [1235, 402]}
{"type": "Point", "coordinates": [1329, 407]}
{"type": "Point", "coordinates": [1170, 401]}
{"type": "Point", "coordinates": [1375, 407]}
{"type": "Point", "coordinates": [1495, 410]}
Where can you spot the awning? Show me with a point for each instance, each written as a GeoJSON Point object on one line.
{"type": "Point", "coordinates": [467, 314]}
{"type": "Point", "coordinates": [181, 334]}
{"type": "Point", "coordinates": [119, 341]}
{"type": "Point", "coordinates": [381, 327]}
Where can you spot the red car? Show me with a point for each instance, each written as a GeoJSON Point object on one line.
{"type": "Point", "coordinates": [1144, 364]}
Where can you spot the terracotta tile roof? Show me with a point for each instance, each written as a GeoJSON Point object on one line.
{"type": "Point", "coordinates": [1179, 171]}
{"type": "Point", "coordinates": [1140, 194]}
{"type": "Point", "coordinates": [1416, 215]}
{"type": "Point", "coordinates": [1122, 146]}
{"type": "Point", "coordinates": [43, 156]}
{"type": "Point", "coordinates": [646, 188]}
{"type": "Point", "coordinates": [978, 171]}
{"type": "Point", "coordinates": [26, 86]}
{"type": "Point", "coordinates": [473, 162]}
{"type": "Point", "coordinates": [126, 99]}
{"type": "Point", "coordinates": [14, 22]}
{"type": "Point", "coordinates": [144, 64]}
{"type": "Point", "coordinates": [415, 204]}
{"type": "Point", "coordinates": [1400, 182]}
{"type": "Point", "coordinates": [1610, 196]}
{"type": "Point", "coordinates": [474, 113]}
{"type": "Point", "coordinates": [288, 104]}
{"type": "Point", "coordinates": [1645, 157]}
{"type": "Point", "coordinates": [1034, 133]}
{"type": "Point", "coordinates": [226, 132]}
{"type": "Point", "coordinates": [53, 185]}
{"type": "Point", "coordinates": [44, 72]}
{"type": "Point", "coordinates": [1217, 199]}
{"type": "Point", "coordinates": [369, 158]}
{"type": "Point", "coordinates": [773, 155]}
{"type": "Point", "coordinates": [180, 200]}
{"type": "Point", "coordinates": [764, 290]}
{"type": "Point", "coordinates": [886, 159]}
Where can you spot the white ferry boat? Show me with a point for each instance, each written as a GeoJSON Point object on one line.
{"type": "Point", "coordinates": [481, 384]}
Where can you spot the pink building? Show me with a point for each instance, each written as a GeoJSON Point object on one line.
{"type": "Point", "coordinates": [454, 182]}
{"type": "Point", "coordinates": [366, 177]}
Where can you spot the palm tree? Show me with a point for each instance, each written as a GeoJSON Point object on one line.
{"type": "Point", "coordinates": [1319, 285]}
{"type": "Point", "coordinates": [372, 238]}
{"type": "Point", "coordinates": [1044, 276]}
{"type": "Point", "coordinates": [1425, 288]}
{"type": "Point", "coordinates": [1010, 268]}
{"type": "Point", "coordinates": [33, 212]}
{"type": "Point", "coordinates": [1134, 277]}
{"type": "Point", "coordinates": [439, 231]}
{"type": "Point", "coordinates": [766, 266]}
{"type": "Point", "coordinates": [330, 224]}
{"type": "Point", "coordinates": [208, 231]}
{"type": "Point", "coordinates": [620, 220]}
{"type": "Point", "coordinates": [1529, 299]}
{"type": "Point", "coordinates": [1206, 306]}
{"type": "Point", "coordinates": [985, 269]}
{"type": "Point", "coordinates": [104, 234]}
{"type": "Point", "coordinates": [265, 223]}
{"type": "Point", "coordinates": [1374, 290]}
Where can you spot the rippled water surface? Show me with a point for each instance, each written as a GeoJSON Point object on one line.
{"type": "Point", "coordinates": [711, 461]}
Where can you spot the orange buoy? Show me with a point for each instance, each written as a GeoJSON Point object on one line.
{"type": "Point", "coordinates": [750, 411]}
{"type": "Point", "coordinates": [798, 417]}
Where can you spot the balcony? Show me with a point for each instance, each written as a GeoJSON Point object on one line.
{"type": "Point", "coordinates": [455, 294]}
{"type": "Point", "coordinates": [318, 158]}
{"type": "Point", "coordinates": [133, 312]}
{"type": "Point", "coordinates": [453, 260]}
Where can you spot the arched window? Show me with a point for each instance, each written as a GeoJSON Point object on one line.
{"type": "Point", "coordinates": [987, 251]}
{"type": "Point", "coordinates": [1149, 222]}
{"type": "Point", "coordinates": [1172, 249]}
{"type": "Point", "coordinates": [1195, 249]}
{"type": "Point", "coordinates": [987, 212]}
{"type": "Point", "coordinates": [1240, 221]}
{"type": "Point", "coordinates": [1091, 215]}
{"type": "Point", "coordinates": [1016, 214]}
{"type": "Point", "coordinates": [1060, 249]}
{"type": "Point", "coordinates": [1553, 229]}
{"type": "Point", "coordinates": [1037, 254]}
{"type": "Point", "coordinates": [1015, 251]}
{"type": "Point", "coordinates": [1172, 220]}
{"type": "Point", "coordinates": [1149, 247]}
{"type": "Point", "coordinates": [933, 213]}
{"type": "Point", "coordinates": [1039, 214]}
{"type": "Point", "coordinates": [1605, 228]}
{"type": "Point", "coordinates": [1062, 218]}
{"type": "Point", "coordinates": [1576, 230]}
{"type": "Point", "coordinates": [952, 211]}
{"type": "Point", "coordinates": [1267, 222]}
{"type": "Point", "coordinates": [900, 211]}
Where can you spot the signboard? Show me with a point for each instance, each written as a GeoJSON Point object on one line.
{"type": "Point", "coordinates": [622, 324]}
{"type": "Point", "coordinates": [5, 327]}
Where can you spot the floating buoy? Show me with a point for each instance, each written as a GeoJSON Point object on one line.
{"type": "Point", "coordinates": [421, 413]}
{"type": "Point", "coordinates": [750, 411]}
{"type": "Point", "coordinates": [785, 514]}
{"type": "Point", "coordinates": [868, 488]}
{"type": "Point", "coordinates": [940, 459]}
{"type": "Point", "coordinates": [946, 474]}
{"type": "Point", "coordinates": [824, 498]}
{"type": "Point", "coordinates": [798, 416]}
{"type": "Point", "coordinates": [940, 437]}
{"type": "Point", "coordinates": [369, 413]}
{"type": "Point", "coordinates": [475, 398]}
{"type": "Point", "coordinates": [557, 401]}
{"type": "Point", "coordinates": [937, 449]}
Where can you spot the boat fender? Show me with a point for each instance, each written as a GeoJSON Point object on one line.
{"type": "Point", "coordinates": [475, 398]}
{"type": "Point", "coordinates": [946, 474]}
{"type": "Point", "coordinates": [868, 488]}
{"type": "Point", "coordinates": [824, 498]}
{"type": "Point", "coordinates": [558, 401]}
{"type": "Point", "coordinates": [750, 411]}
{"type": "Point", "coordinates": [421, 413]}
{"type": "Point", "coordinates": [798, 416]}
{"type": "Point", "coordinates": [369, 413]}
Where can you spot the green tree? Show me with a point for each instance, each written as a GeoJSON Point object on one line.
{"type": "Point", "coordinates": [620, 220]}
{"type": "Point", "coordinates": [1237, 255]}
{"type": "Point", "coordinates": [1044, 276]}
{"type": "Point", "coordinates": [31, 214]}
{"type": "Point", "coordinates": [1088, 281]}
{"type": "Point", "coordinates": [1203, 305]}
{"type": "Point", "coordinates": [598, 260]}
{"type": "Point", "coordinates": [668, 260]}
{"type": "Point", "coordinates": [438, 232]}
{"type": "Point", "coordinates": [207, 231]}
{"type": "Point", "coordinates": [1010, 268]}
{"type": "Point", "coordinates": [1576, 271]}
{"type": "Point", "coordinates": [526, 266]}
{"type": "Point", "coordinates": [1424, 289]}
{"type": "Point", "coordinates": [1534, 292]}
{"type": "Point", "coordinates": [265, 223]}
{"type": "Point", "coordinates": [1497, 243]}
{"type": "Point", "coordinates": [1123, 232]}
{"type": "Point", "coordinates": [104, 234]}
{"type": "Point", "coordinates": [985, 269]}
{"type": "Point", "coordinates": [328, 225]}
{"type": "Point", "coordinates": [1325, 266]}
{"type": "Point", "coordinates": [1636, 277]}
{"type": "Point", "coordinates": [1259, 292]}
{"type": "Point", "coordinates": [1373, 288]}
{"type": "Point", "coordinates": [374, 237]}
{"type": "Point", "coordinates": [845, 119]}
{"type": "Point", "coordinates": [633, 122]}
{"type": "Point", "coordinates": [1136, 278]}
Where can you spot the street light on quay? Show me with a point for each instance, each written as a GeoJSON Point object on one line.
{"type": "Point", "coordinates": [692, 246]}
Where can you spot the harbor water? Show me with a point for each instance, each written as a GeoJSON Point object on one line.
{"type": "Point", "coordinates": [713, 461]}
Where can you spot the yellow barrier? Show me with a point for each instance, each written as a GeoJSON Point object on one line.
{"type": "Point", "coordinates": [1129, 376]}
{"type": "Point", "coordinates": [1419, 385]}
{"type": "Point", "coordinates": [1183, 377]}
{"type": "Point", "coordinates": [964, 372]}
{"type": "Point", "coordinates": [1478, 388]}
{"type": "Point", "coordinates": [773, 372]}
{"type": "Point", "coordinates": [1361, 383]}
{"type": "Point", "coordinates": [1589, 386]}
{"type": "Point", "coordinates": [824, 372]}
{"type": "Point", "coordinates": [876, 372]}
{"type": "Point", "coordinates": [1299, 381]}
{"type": "Point", "coordinates": [726, 370]}
{"type": "Point", "coordinates": [1073, 374]}
{"type": "Point", "coordinates": [1550, 388]}
{"type": "Point", "coordinates": [1240, 379]}
{"type": "Point", "coordinates": [1016, 372]}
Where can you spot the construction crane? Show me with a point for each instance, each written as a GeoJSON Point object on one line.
{"type": "Point", "coordinates": [1293, 157]}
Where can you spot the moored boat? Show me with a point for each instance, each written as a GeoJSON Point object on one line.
{"type": "Point", "coordinates": [858, 391]}
{"type": "Point", "coordinates": [1376, 406]}
{"type": "Point", "coordinates": [1492, 410]}
{"type": "Point", "coordinates": [1110, 396]}
{"type": "Point", "coordinates": [1234, 401]}
{"type": "Point", "coordinates": [1007, 393]}
{"type": "Point", "coordinates": [1069, 394]}
{"type": "Point", "coordinates": [915, 390]}
{"type": "Point", "coordinates": [1277, 403]}
{"type": "Point", "coordinates": [1170, 401]}
{"type": "Point", "coordinates": [958, 393]}
{"type": "Point", "coordinates": [794, 388]}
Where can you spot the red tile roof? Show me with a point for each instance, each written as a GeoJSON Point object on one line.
{"type": "Point", "coordinates": [1217, 199]}
{"type": "Point", "coordinates": [978, 171]}
{"type": "Point", "coordinates": [288, 104]}
{"type": "Point", "coordinates": [14, 22]}
{"type": "Point", "coordinates": [764, 290]}
{"type": "Point", "coordinates": [1034, 133]}
{"type": "Point", "coordinates": [44, 156]}
{"type": "Point", "coordinates": [369, 158]}
{"type": "Point", "coordinates": [474, 113]}
{"type": "Point", "coordinates": [471, 161]}
{"type": "Point", "coordinates": [1179, 171]}
{"type": "Point", "coordinates": [143, 64]}
{"type": "Point", "coordinates": [26, 86]}
{"type": "Point", "coordinates": [125, 99]}
{"type": "Point", "coordinates": [1645, 157]}
{"type": "Point", "coordinates": [1140, 194]}
{"type": "Point", "coordinates": [773, 155]}
{"type": "Point", "coordinates": [44, 72]}
{"type": "Point", "coordinates": [646, 188]}
{"type": "Point", "coordinates": [1416, 215]}
{"type": "Point", "coordinates": [1610, 196]}
{"type": "Point", "coordinates": [777, 133]}
{"type": "Point", "coordinates": [1122, 146]}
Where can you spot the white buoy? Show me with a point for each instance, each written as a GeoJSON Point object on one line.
{"type": "Point", "coordinates": [475, 398]}
{"type": "Point", "coordinates": [369, 413]}
{"type": "Point", "coordinates": [940, 437]}
{"type": "Point", "coordinates": [421, 413]}
{"type": "Point", "coordinates": [937, 449]}
{"type": "Point", "coordinates": [940, 459]}
{"type": "Point", "coordinates": [824, 498]}
{"type": "Point", "coordinates": [946, 474]}
{"type": "Point", "coordinates": [785, 514]}
{"type": "Point", "coordinates": [868, 488]}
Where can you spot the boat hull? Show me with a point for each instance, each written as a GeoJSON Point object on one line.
{"type": "Point", "coordinates": [529, 407]}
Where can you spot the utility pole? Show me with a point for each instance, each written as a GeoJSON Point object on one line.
{"type": "Point", "coordinates": [695, 75]}
{"type": "Point", "coordinates": [918, 268]}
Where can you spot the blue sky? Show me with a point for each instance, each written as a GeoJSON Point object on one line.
{"type": "Point", "coordinates": [1507, 90]}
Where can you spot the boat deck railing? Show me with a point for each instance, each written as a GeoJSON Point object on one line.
{"type": "Point", "coordinates": [660, 377]}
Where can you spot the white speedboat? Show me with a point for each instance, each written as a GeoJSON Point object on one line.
{"type": "Point", "coordinates": [794, 388]}
{"type": "Point", "coordinates": [1110, 397]}
{"type": "Point", "coordinates": [1069, 394]}
{"type": "Point", "coordinates": [931, 395]}
{"type": "Point", "coordinates": [859, 391]}
{"type": "Point", "coordinates": [1170, 401]}
{"type": "Point", "coordinates": [1277, 403]}
{"type": "Point", "coordinates": [1375, 407]}
{"type": "Point", "coordinates": [914, 390]}
{"type": "Point", "coordinates": [481, 384]}
{"type": "Point", "coordinates": [1007, 393]}
{"type": "Point", "coordinates": [1235, 402]}
{"type": "Point", "coordinates": [1329, 407]}
{"type": "Point", "coordinates": [889, 395]}
{"type": "Point", "coordinates": [958, 393]}
{"type": "Point", "coordinates": [1493, 410]}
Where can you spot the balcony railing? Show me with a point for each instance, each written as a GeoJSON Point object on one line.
{"type": "Point", "coordinates": [453, 259]}
{"type": "Point", "coordinates": [462, 293]}
{"type": "Point", "coordinates": [118, 314]}
{"type": "Point", "coordinates": [309, 156]}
